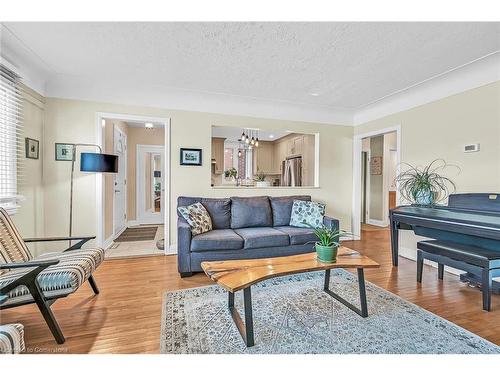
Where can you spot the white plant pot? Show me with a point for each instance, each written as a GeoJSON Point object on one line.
{"type": "Point", "coordinates": [262, 183]}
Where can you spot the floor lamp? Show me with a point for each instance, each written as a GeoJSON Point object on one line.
{"type": "Point", "coordinates": [90, 162]}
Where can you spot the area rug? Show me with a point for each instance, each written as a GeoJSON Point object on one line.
{"type": "Point", "coordinates": [137, 234]}
{"type": "Point", "coordinates": [293, 315]}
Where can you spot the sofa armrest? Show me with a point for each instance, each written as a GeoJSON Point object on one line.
{"type": "Point", "coordinates": [183, 246]}
{"type": "Point", "coordinates": [330, 222]}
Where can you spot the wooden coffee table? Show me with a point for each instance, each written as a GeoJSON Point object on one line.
{"type": "Point", "coordinates": [235, 275]}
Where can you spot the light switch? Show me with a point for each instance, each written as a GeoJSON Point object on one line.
{"type": "Point", "coordinates": [473, 147]}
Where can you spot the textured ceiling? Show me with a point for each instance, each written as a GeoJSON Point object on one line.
{"type": "Point", "coordinates": [349, 65]}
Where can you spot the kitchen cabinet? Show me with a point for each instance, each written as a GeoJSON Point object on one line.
{"type": "Point", "coordinates": [308, 159]}
{"type": "Point", "coordinates": [280, 154]}
{"type": "Point", "coordinates": [218, 154]}
{"type": "Point", "coordinates": [267, 158]}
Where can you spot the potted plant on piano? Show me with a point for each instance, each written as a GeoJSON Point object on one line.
{"type": "Point", "coordinates": [426, 185]}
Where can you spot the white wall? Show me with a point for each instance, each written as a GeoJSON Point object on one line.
{"type": "Point", "coordinates": [74, 121]}
{"type": "Point", "coordinates": [440, 129]}
{"type": "Point", "coordinates": [29, 218]}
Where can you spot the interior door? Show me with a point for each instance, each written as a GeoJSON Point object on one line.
{"type": "Point", "coordinates": [120, 184]}
{"type": "Point", "coordinates": [150, 181]}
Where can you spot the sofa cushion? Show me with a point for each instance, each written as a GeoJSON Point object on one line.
{"type": "Point", "coordinates": [217, 240]}
{"type": "Point", "coordinates": [263, 237]}
{"type": "Point", "coordinates": [299, 236]}
{"type": "Point", "coordinates": [307, 214]}
{"type": "Point", "coordinates": [219, 209]}
{"type": "Point", "coordinates": [282, 208]}
{"type": "Point", "coordinates": [197, 217]}
{"type": "Point", "coordinates": [251, 212]}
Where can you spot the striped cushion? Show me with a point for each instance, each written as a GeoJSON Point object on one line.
{"type": "Point", "coordinates": [73, 269]}
{"type": "Point", "coordinates": [11, 338]}
{"type": "Point", "coordinates": [12, 246]}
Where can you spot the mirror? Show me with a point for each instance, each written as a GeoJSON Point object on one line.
{"type": "Point", "coordinates": [153, 182]}
{"type": "Point", "coordinates": [249, 157]}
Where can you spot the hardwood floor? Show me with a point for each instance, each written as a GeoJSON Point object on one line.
{"type": "Point", "coordinates": [125, 316]}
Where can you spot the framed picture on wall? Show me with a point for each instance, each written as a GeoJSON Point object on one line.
{"type": "Point", "coordinates": [190, 156]}
{"type": "Point", "coordinates": [64, 151]}
{"type": "Point", "coordinates": [376, 165]}
{"type": "Point", "coordinates": [32, 148]}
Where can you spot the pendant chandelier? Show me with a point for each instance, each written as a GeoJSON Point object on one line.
{"type": "Point", "coordinates": [249, 138]}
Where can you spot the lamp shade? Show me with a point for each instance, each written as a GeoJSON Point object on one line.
{"type": "Point", "coordinates": [93, 162]}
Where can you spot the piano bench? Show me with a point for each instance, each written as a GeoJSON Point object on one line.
{"type": "Point", "coordinates": [473, 259]}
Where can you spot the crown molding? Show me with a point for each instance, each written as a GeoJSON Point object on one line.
{"type": "Point", "coordinates": [22, 60]}
{"type": "Point", "coordinates": [138, 93]}
{"type": "Point", "coordinates": [466, 77]}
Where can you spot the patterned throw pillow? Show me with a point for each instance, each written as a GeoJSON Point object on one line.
{"type": "Point", "coordinates": [197, 217]}
{"type": "Point", "coordinates": [307, 213]}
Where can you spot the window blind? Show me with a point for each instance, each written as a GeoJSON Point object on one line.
{"type": "Point", "coordinates": [11, 145]}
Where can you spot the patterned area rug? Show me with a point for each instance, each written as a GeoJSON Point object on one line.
{"type": "Point", "coordinates": [293, 315]}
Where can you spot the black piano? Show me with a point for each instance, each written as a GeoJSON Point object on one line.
{"type": "Point", "coordinates": [471, 219]}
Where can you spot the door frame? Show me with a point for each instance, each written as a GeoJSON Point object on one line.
{"type": "Point", "coordinates": [139, 193]}
{"type": "Point", "coordinates": [356, 176]}
{"type": "Point", "coordinates": [367, 186]}
{"type": "Point", "coordinates": [115, 234]}
{"type": "Point", "coordinates": [99, 186]}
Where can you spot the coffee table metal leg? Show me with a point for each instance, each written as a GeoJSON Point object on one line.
{"type": "Point", "coordinates": [362, 293]}
{"type": "Point", "coordinates": [245, 329]}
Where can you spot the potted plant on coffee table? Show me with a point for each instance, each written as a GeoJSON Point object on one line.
{"type": "Point", "coordinates": [426, 185]}
{"type": "Point", "coordinates": [328, 243]}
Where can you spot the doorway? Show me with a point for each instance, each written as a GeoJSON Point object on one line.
{"type": "Point", "coordinates": [149, 184]}
{"type": "Point", "coordinates": [376, 162]}
{"type": "Point", "coordinates": [116, 211]}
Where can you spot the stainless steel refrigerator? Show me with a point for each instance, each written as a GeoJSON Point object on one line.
{"type": "Point", "coordinates": [291, 174]}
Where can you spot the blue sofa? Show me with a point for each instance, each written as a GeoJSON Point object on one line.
{"type": "Point", "coordinates": [243, 228]}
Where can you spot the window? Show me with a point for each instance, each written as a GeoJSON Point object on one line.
{"type": "Point", "coordinates": [10, 140]}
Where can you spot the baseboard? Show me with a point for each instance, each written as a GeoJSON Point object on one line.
{"type": "Point", "coordinates": [120, 232]}
{"type": "Point", "coordinates": [133, 223]}
{"type": "Point", "coordinates": [108, 242]}
{"type": "Point", "coordinates": [408, 254]}
{"type": "Point", "coordinates": [377, 223]}
{"type": "Point", "coordinates": [349, 237]}
{"type": "Point", "coordinates": [172, 249]}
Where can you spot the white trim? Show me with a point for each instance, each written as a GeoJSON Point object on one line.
{"type": "Point", "coordinates": [474, 74]}
{"type": "Point", "coordinates": [367, 186]}
{"type": "Point", "coordinates": [356, 175]}
{"type": "Point", "coordinates": [377, 223]}
{"type": "Point", "coordinates": [133, 223]}
{"type": "Point", "coordinates": [120, 232]}
{"type": "Point", "coordinates": [117, 91]}
{"type": "Point", "coordinates": [316, 160]}
{"type": "Point", "coordinates": [108, 242]}
{"type": "Point", "coordinates": [33, 71]}
{"type": "Point", "coordinates": [116, 128]}
{"type": "Point", "coordinates": [171, 250]}
{"type": "Point", "coordinates": [99, 116]}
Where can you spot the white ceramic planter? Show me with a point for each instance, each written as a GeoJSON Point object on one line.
{"type": "Point", "coordinates": [262, 184]}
